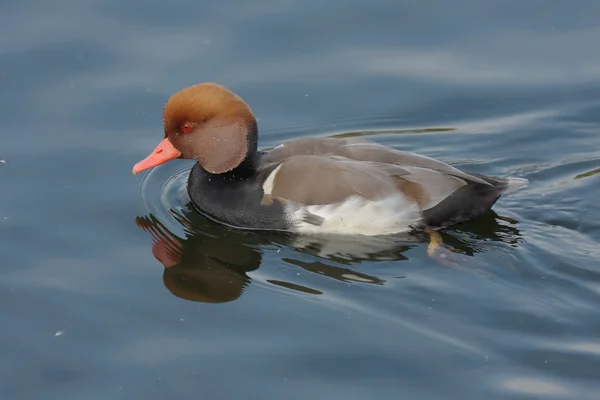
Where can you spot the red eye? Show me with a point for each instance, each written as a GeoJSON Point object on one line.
{"type": "Point", "coordinates": [187, 127]}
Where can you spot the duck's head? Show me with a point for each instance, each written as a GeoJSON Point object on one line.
{"type": "Point", "coordinates": [207, 123]}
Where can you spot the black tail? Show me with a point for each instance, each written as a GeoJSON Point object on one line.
{"type": "Point", "coordinates": [470, 201]}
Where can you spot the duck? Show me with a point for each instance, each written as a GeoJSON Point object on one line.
{"type": "Point", "coordinates": [311, 185]}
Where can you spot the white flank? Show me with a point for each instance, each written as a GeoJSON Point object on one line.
{"type": "Point", "coordinates": [359, 216]}
{"type": "Point", "coordinates": [515, 184]}
{"type": "Point", "coordinates": [268, 185]}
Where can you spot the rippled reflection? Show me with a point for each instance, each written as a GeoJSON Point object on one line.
{"type": "Point", "coordinates": [210, 262]}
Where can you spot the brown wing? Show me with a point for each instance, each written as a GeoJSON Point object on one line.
{"type": "Point", "coordinates": [364, 151]}
{"type": "Point", "coordinates": [325, 179]}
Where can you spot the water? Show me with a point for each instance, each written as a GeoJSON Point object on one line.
{"type": "Point", "coordinates": [496, 87]}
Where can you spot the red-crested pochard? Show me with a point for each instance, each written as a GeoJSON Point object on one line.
{"type": "Point", "coordinates": [310, 185]}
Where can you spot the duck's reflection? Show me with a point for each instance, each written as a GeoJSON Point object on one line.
{"type": "Point", "coordinates": [211, 262]}
{"type": "Point", "coordinates": [208, 265]}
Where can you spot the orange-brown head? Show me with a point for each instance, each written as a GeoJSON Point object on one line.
{"type": "Point", "coordinates": [207, 123]}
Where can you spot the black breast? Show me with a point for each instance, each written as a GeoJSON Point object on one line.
{"type": "Point", "coordinates": [234, 199]}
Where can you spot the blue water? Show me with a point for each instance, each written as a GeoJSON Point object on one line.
{"type": "Point", "coordinates": [93, 307]}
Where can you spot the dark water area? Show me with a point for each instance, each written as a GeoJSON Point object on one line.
{"type": "Point", "coordinates": [112, 287]}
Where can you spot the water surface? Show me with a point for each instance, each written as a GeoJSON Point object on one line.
{"type": "Point", "coordinates": [113, 287]}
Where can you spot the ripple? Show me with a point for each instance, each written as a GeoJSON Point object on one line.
{"type": "Point", "coordinates": [588, 174]}
{"type": "Point", "coordinates": [536, 387]}
{"type": "Point", "coordinates": [592, 348]}
{"type": "Point", "coordinates": [163, 191]}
